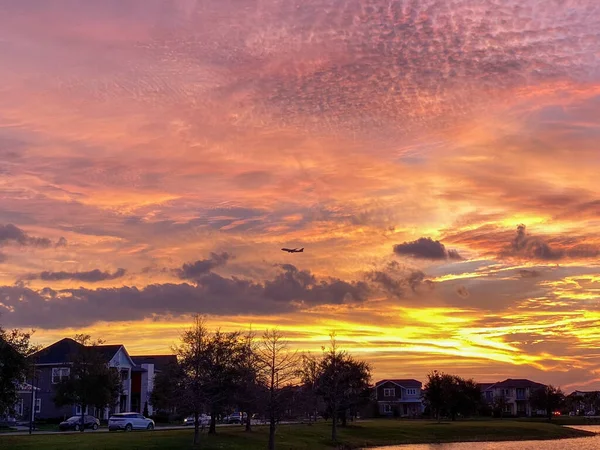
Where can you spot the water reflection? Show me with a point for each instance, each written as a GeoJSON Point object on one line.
{"type": "Point", "coordinates": [591, 443]}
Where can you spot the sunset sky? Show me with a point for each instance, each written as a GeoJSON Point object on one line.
{"type": "Point", "coordinates": [439, 160]}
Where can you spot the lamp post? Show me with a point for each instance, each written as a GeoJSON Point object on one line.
{"type": "Point", "coordinates": [32, 407]}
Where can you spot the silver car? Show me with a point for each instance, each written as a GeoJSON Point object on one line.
{"type": "Point", "coordinates": [129, 421]}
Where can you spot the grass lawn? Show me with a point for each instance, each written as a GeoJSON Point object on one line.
{"type": "Point", "coordinates": [301, 437]}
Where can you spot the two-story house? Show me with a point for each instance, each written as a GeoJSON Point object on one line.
{"type": "Point", "coordinates": [142, 378]}
{"type": "Point", "coordinates": [53, 363]}
{"type": "Point", "coordinates": [514, 395]}
{"type": "Point", "coordinates": [399, 397]}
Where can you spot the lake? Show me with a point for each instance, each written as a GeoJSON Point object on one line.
{"type": "Point", "coordinates": [591, 443]}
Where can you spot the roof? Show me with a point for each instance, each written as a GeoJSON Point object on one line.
{"type": "Point", "coordinates": [108, 351]}
{"type": "Point", "coordinates": [61, 352]}
{"type": "Point", "coordinates": [405, 383]}
{"type": "Point", "coordinates": [58, 353]}
{"type": "Point", "coordinates": [160, 361]}
{"type": "Point", "coordinates": [518, 383]}
{"type": "Point", "coordinates": [485, 386]}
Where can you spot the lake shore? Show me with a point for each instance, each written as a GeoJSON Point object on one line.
{"type": "Point", "coordinates": [363, 434]}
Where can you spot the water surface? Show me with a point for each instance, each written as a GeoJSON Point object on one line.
{"type": "Point", "coordinates": [588, 443]}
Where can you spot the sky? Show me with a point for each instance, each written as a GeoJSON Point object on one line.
{"type": "Point", "coordinates": [437, 159]}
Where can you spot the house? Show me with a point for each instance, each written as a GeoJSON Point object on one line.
{"type": "Point", "coordinates": [584, 402]}
{"type": "Point", "coordinates": [142, 378]}
{"type": "Point", "coordinates": [399, 397]}
{"type": "Point", "coordinates": [53, 363]}
{"type": "Point", "coordinates": [514, 393]}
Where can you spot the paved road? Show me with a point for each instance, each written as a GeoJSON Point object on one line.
{"type": "Point", "coordinates": [24, 432]}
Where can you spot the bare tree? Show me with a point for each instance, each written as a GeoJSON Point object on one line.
{"type": "Point", "coordinates": [191, 354]}
{"type": "Point", "coordinates": [309, 375]}
{"type": "Point", "coordinates": [279, 368]}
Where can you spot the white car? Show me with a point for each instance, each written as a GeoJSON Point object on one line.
{"type": "Point", "coordinates": [129, 421]}
{"type": "Point", "coordinates": [204, 420]}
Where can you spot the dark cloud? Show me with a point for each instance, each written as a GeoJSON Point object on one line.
{"type": "Point", "coordinates": [62, 242]}
{"type": "Point", "coordinates": [290, 290]}
{"type": "Point", "coordinates": [395, 279]}
{"type": "Point", "coordinates": [193, 271]}
{"type": "Point", "coordinates": [533, 247]}
{"type": "Point", "coordinates": [529, 273]}
{"type": "Point", "coordinates": [12, 234]}
{"type": "Point", "coordinates": [462, 291]}
{"type": "Point", "coordinates": [92, 276]}
{"type": "Point", "coordinates": [426, 248]}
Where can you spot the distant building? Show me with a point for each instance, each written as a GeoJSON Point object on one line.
{"type": "Point", "coordinates": [53, 364]}
{"type": "Point", "coordinates": [401, 397]}
{"type": "Point", "coordinates": [515, 395]}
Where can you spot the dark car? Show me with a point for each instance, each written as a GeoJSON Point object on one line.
{"type": "Point", "coordinates": [74, 423]}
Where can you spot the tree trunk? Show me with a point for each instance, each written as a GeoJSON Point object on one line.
{"type": "Point", "coordinates": [272, 425]}
{"type": "Point", "coordinates": [196, 428]}
{"type": "Point", "coordinates": [82, 418]}
{"type": "Point", "coordinates": [334, 424]}
{"type": "Point", "coordinates": [344, 418]}
{"type": "Point", "coordinates": [249, 421]}
{"type": "Point", "coordinates": [213, 423]}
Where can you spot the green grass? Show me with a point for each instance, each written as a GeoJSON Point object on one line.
{"type": "Point", "coordinates": [301, 437]}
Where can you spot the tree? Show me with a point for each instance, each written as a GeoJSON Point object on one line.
{"type": "Point", "coordinates": [250, 392]}
{"type": "Point", "coordinates": [212, 368]}
{"type": "Point", "coordinates": [309, 376]}
{"type": "Point", "coordinates": [145, 412]}
{"type": "Point", "coordinates": [547, 398]}
{"type": "Point", "coordinates": [15, 348]}
{"type": "Point", "coordinates": [91, 382]}
{"type": "Point", "coordinates": [433, 394]}
{"type": "Point", "coordinates": [342, 380]}
{"type": "Point", "coordinates": [499, 404]}
{"type": "Point", "coordinates": [167, 391]}
{"type": "Point", "coordinates": [451, 395]}
{"type": "Point", "coordinates": [278, 368]}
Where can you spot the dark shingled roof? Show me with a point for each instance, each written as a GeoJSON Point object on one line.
{"type": "Point", "coordinates": [406, 383]}
{"type": "Point", "coordinates": [160, 361]}
{"type": "Point", "coordinates": [485, 386]}
{"type": "Point", "coordinates": [61, 352]}
{"type": "Point", "coordinates": [519, 383]}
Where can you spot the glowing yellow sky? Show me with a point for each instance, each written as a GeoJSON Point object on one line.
{"type": "Point", "coordinates": [438, 161]}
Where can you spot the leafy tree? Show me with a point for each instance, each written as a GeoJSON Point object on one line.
{"type": "Point", "coordinates": [15, 348]}
{"type": "Point", "coordinates": [213, 369]}
{"type": "Point", "coordinates": [499, 404]}
{"type": "Point", "coordinates": [278, 368]}
{"type": "Point", "coordinates": [547, 398]}
{"type": "Point", "coordinates": [433, 394]}
{"type": "Point", "coordinates": [166, 393]}
{"type": "Point", "coordinates": [145, 412]}
{"type": "Point", "coordinates": [91, 381]}
{"type": "Point", "coordinates": [342, 380]}
{"type": "Point", "coordinates": [451, 395]}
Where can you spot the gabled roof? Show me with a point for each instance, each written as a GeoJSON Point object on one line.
{"type": "Point", "coordinates": [485, 386]}
{"type": "Point", "coordinates": [405, 383]}
{"type": "Point", "coordinates": [58, 353]}
{"type": "Point", "coordinates": [62, 352]}
{"type": "Point", "coordinates": [108, 351]}
{"type": "Point", "coordinates": [519, 383]}
{"type": "Point", "coordinates": [160, 361]}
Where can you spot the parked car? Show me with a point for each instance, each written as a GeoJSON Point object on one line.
{"type": "Point", "coordinates": [234, 418]}
{"type": "Point", "coordinates": [129, 421]}
{"type": "Point", "coordinates": [204, 420]}
{"type": "Point", "coordinates": [74, 423]}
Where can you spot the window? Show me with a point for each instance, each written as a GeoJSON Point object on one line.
{"type": "Point", "coordinates": [506, 392]}
{"type": "Point", "coordinates": [387, 408]}
{"type": "Point", "coordinates": [508, 408]}
{"type": "Point", "coordinates": [411, 392]}
{"type": "Point", "coordinates": [391, 392]}
{"type": "Point", "coordinates": [60, 373]}
{"type": "Point", "coordinates": [78, 410]}
{"type": "Point", "coordinates": [19, 407]}
{"type": "Point", "coordinates": [124, 375]}
{"type": "Point", "coordinates": [38, 405]}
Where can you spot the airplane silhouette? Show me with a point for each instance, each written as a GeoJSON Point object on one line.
{"type": "Point", "coordinates": [293, 250]}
